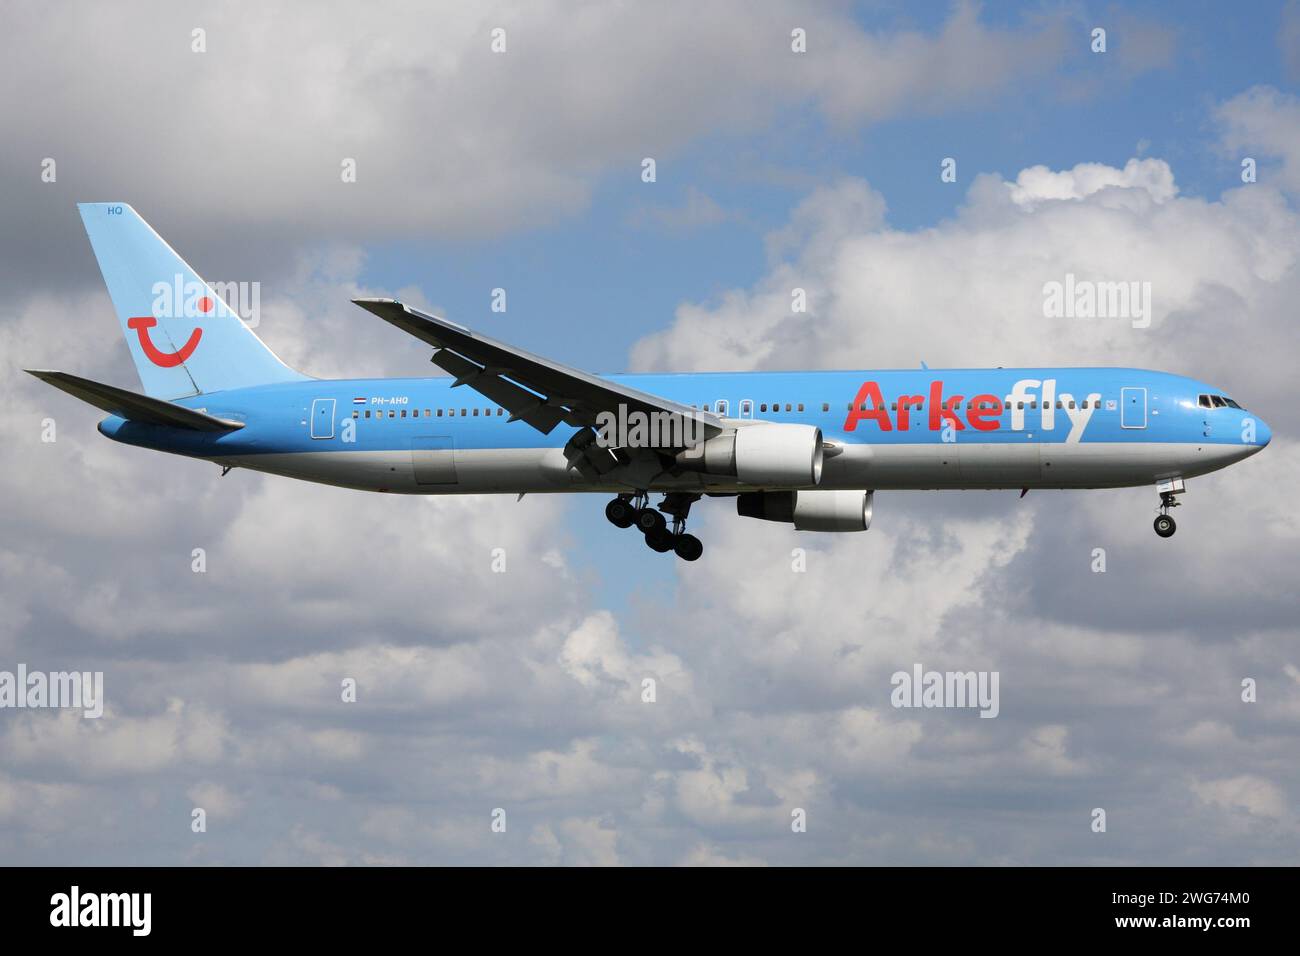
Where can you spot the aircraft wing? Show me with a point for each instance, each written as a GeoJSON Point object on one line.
{"type": "Point", "coordinates": [533, 389]}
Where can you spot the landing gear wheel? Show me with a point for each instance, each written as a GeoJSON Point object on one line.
{"type": "Point", "coordinates": [620, 513]}
{"type": "Point", "coordinates": [688, 547]}
{"type": "Point", "coordinates": [650, 520]}
{"type": "Point", "coordinates": [659, 539]}
{"type": "Point", "coordinates": [1165, 526]}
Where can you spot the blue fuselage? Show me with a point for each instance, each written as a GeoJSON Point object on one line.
{"type": "Point", "coordinates": [916, 428]}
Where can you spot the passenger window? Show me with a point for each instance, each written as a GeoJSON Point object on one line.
{"type": "Point", "coordinates": [801, 406]}
{"type": "Point", "coordinates": [403, 413]}
{"type": "Point", "coordinates": [464, 412]}
{"type": "Point", "coordinates": [440, 413]}
{"type": "Point", "coordinates": [476, 413]}
{"type": "Point", "coordinates": [356, 414]}
{"type": "Point", "coordinates": [787, 406]}
{"type": "Point", "coordinates": [367, 413]}
{"type": "Point", "coordinates": [826, 406]}
{"type": "Point", "coordinates": [451, 413]}
{"type": "Point", "coordinates": [763, 407]}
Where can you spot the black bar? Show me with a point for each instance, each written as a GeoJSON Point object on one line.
{"type": "Point", "coordinates": [970, 904]}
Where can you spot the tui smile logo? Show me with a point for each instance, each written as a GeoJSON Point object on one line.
{"type": "Point", "coordinates": [143, 323]}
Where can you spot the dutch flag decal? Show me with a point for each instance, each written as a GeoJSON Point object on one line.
{"type": "Point", "coordinates": [358, 401]}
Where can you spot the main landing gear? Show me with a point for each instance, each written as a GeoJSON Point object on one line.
{"type": "Point", "coordinates": [628, 510]}
{"type": "Point", "coordinates": [1164, 523]}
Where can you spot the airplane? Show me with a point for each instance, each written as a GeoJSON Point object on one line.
{"type": "Point", "coordinates": [809, 449]}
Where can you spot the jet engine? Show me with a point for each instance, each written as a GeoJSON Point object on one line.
{"type": "Point", "coordinates": [767, 454]}
{"type": "Point", "coordinates": [810, 510]}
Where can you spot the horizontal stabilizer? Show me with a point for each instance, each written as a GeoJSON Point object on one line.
{"type": "Point", "coordinates": [133, 407]}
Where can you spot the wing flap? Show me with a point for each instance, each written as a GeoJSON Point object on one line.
{"type": "Point", "coordinates": [522, 404]}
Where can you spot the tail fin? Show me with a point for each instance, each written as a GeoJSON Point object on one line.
{"type": "Point", "coordinates": [184, 338]}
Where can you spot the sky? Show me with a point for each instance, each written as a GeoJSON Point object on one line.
{"type": "Point", "coordinates": [516, 695]}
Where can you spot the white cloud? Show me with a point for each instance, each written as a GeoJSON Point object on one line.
{"type": "Point", "coordinates": [116, 743]}
{"type": "Point", "coordinates": [218, 801]}
{"type": "Point", "coordinates": [448, 136]}
{"type": "Point", "coordinates": [1249, 793]}
{"type": "Point", "coordinates": [1038, 182]}
{"type": "Point", "coordinates": [1264, 123]}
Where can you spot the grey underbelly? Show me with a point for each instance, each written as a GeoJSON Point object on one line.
{"type": "Point", "coordinates": [879, 467]}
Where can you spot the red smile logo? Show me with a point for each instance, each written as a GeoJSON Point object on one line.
{"type": "Point", "coordinates": [143, 323]}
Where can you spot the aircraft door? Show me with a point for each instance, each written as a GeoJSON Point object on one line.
{"type": "Point", "coordinates": [322, 418]}
{"type": "Point", "coordinates": [433, 457]}
{"type": "Point", "coordinates": [1132, 408]}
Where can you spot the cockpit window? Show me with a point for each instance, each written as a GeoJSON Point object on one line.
{"type": "Point", "coordinates": [1231, 403]}
{"type": "Point", "coordinates": [1218, 401]}
{"type": "Point", "coordinates": [1204, 401]}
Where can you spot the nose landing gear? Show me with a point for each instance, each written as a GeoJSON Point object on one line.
{"type": "Point", "coordinates": [1164, 523]}
{"type": "Point", "coordinates": [634, 509]}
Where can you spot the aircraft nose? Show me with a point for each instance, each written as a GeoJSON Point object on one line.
{"type": "Point", "coordinates": [1263, 434]}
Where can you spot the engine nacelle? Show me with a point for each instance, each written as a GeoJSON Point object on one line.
{"type": "Point", "coordinates": [768, 454]}
{"type": "Point", "coordinates": [810, 510]}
